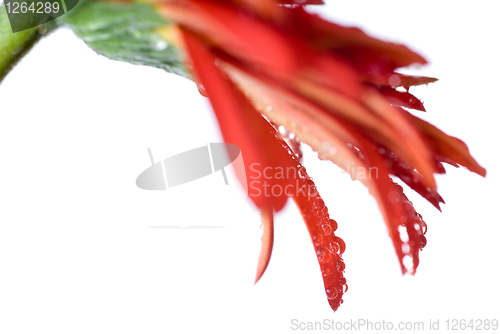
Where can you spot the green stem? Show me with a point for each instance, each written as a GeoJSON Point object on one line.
{"type": "Point", "coordinates": [14, 46]}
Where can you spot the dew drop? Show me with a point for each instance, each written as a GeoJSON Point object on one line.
{"type": "Point", "coordinates": [327, 229]}
{"type": "Point", "coordinates": [302, 172]}
{"type": "Point", "coordinates": [424, 227]}
{"type": "Point", "coordinates": [161, 45]}
{"type": "Point", "coordinates": [341, 244]}
{"type": "Point", "coordinates": [408, 262]}
{"type": "Point", "coordinates": [320, 204]}
{"type": "Point", "coordinates": [334, 224]}
{"type": "Point", "coordinates": [340, 265]}
{"type": "Point", "coordinates": [342, 281]}
{"type": "Point", "coordinates": [403, 234]}
{"type": "Point", "coordinates": [393, 197]}
{"type": "Point", "coordinates": [332, 292]}
{"type": "Point", "coordinates": [202, 90]}
{"type": "Point", "coordinates": [394, 80]}
{"type": "Point", "coordinates": [423, 241]}
{"type": "Point", "coordinates": [326, 256]}
{"type": "Point", "coordinates": [322, 156]}
{"type": "Point", "coordinates": [334, 247]}
{"type": "Point", "coordinates": [318, 239]}
{"type": "Point", "coordinates": [320, 252]}
{"type": "Point", "coordinates": [312, 191]}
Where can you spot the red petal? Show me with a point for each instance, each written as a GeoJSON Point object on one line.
{"type": "Point", "coordinates": [397, 80]}
{"type": "Point", "coordinates": [398, 212]}
{"type": "Point", "coordinates": [444, 145]}
{"type": "Point", "coordinates": [327, 245]}
{"type": "Point", "coordinates": [237, 33]}
{"type": "Point", "coordinates": [267, 242]}
{"type": "Point", "coordinates": [401, 99]}
{"type": "Point", "coordinates": [241, 125]}
{"type": "Point", "coordinates": [366, 53]}
{"type": "Point", "coordinates": [408, 175]}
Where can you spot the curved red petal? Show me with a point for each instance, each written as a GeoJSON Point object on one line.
{"type": "Point", "coordinates": [267, 242]}
{"type": "Point", "coordinates": [327, 245]}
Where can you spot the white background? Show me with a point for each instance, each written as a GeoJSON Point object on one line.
{"type": "Point", "coordinates": [78, 249]}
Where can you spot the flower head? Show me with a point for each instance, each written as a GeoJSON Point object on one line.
{"type": "Point", "coordinates": [264, 65]}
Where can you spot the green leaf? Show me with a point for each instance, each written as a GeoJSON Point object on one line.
{"type": "Point", "coordinates": [126, 32]}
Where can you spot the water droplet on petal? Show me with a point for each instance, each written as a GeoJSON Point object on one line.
{"type": "Point", "coordinates": [320, 204]}
{"type": "Point", "coordinates": [423, 241]}
{"type": "Point", "coordinates": [333, 224]}
{"type": "Point", "coordinates": [340, 265]}
{"type": "Point", "coordinates": [424, 227]}
{"type": "Point", "coordinates": [202, 90]}
{"type": "Point", "coordinates": [334, 247]}
{"type": "Point", "coordinates": [327, 229]}
{"type": "Point", "coordinates": [394, 80]}
{"type": "Point", "coordinates": [341, 244]}
{"type": "Point", "coordinates": [302, 172]}
{"type": "Point", "coordinates": [394, 197]}
{"type": "Point", "coordinates": [408, 263]}
{"type": "Point", "coordinates": [318, 239]}
{"type": "Point", "coordinates": [326, 256]}
{"type": "Point", "coordinates": [332, 293]}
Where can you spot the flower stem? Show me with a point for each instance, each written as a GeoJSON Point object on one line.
{"type": "Point", "coordinates": [14, 46]}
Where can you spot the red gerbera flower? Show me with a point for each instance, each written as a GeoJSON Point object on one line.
{"type": "Point", "coordinates": [268, 64]}
{"type": "Point", "coordinates": [263, 65]}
